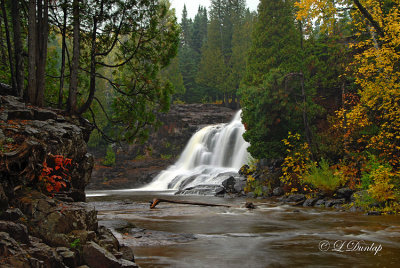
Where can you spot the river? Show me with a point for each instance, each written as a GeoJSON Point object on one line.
{"type": "Point", "coordinates": [272, 235]}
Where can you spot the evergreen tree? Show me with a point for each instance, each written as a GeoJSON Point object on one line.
{"type": "Point", "coordinates": [272, 100]}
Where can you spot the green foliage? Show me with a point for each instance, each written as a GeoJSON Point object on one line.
{"type": "Point", "coordinates": [76, 244]}
{"type": "Point", "coordinates": [269, 97]}
{"type": "Point", "coordinates": [166, 156]}
{"type": "Point", "coordinates": [323, 177]}
{"type": "Point", "coordinates": [140, 157]}
{"type": "Point", "coordinates": [109, 159]}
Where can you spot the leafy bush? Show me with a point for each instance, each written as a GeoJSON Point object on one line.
{"type": "Point", "coordinates": [109, 160]}
{"type": "Point", "coordinates": [379, 179]}
{"type": "Point", "coordinates": [55, 174]}
{"type": "Point", "coordinates": [296, 163]}
{"type": "Point", "coordinates": [323, 177]}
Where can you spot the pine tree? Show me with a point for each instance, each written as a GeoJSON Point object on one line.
{"type": "Point", "coordinates": [270, 99]}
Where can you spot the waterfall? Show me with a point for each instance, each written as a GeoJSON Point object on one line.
{"type": "Point", "coordinates": [211, 151]}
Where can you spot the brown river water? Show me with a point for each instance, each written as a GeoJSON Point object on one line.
{"type": "Point", "coordinates": [272, 235]}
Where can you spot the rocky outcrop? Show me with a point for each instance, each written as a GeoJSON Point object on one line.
{"type": "Point", "coordinates": [137, 165]}
{"type": "Point", "coordinates": [44, 168]}
{"type": "Point", "coordinates": [28, 135]}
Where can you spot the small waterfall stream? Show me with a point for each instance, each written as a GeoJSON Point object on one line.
{"type": "Point", "coordinates": [213, 150]}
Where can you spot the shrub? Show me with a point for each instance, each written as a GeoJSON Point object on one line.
{"type": "Point", "coordinates": [109, 160]}
{"type": "Point", "coordinates": [55, 174]}
{"type": "Point", "coordinates": [323, 177]}
{"type": "Point", "coordinates": [296, 163]}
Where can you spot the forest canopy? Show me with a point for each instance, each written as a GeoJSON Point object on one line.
{"type": "Point", "coordinates": [101, 59]}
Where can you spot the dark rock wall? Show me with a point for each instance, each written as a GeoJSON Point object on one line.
{"type": "Point", "coordinates": [137, 165]}
{"type": "Point", "coordinates": [53, 230]}
{"type": "Point", "coordinates": [37, 133]}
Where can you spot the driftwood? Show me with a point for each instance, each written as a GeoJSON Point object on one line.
{"type": "Point", "coordinates": [156, 201]}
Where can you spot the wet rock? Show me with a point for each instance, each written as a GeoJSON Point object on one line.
{"type": "Point", "coordinates": [69, 258]}
{"type": "Point", "coordinates": [42, 115]}
{"type": "Point", "coordinates": [12, 214]}
{"type": "Point", "coordinates": [107, 239]}
{"type": "Point", "coordinates": [220, 191]}
{"type": "Point", "coordinates": [44, 253]}
{"type": "Point", "coordinates": [250, 195]}
{"type": "Point", "coordinates": [310, 202]}
{"type": "Point", "coordinates": [320, 203]}
{"type": "Point", "coordinates": [249, 205]}
{"type": "Point", "coordinates": [344, 193]}
{"type": "Point", "coordinates": [97, 257]}
{"type": "Point", "coordinates": [240, 185]}
{"type": "Point", "coordinates": [229, 184]}
{"type": "Point", "coordinates": [17, 231]}
{"type": "Point", "coordinates": [277, 191]}
{"type": "Point", "coordinates": [127, 253]}
{"type": "Point", "coordinates": [294, 198]}
{"type": "Point", "coordinates": [334, 202]}
{"type": "Point", "coordinates": [24, 114]}
{"type": "Point", "coordinates": [373, 213]}
{"type": "Point", "coordinates": [16, 255]}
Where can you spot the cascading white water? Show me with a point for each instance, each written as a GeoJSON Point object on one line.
{"type": "Point", "coordinates": [211, 151]}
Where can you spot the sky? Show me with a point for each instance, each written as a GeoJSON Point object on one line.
{"type": "Point", "coordinates": [193, 5]}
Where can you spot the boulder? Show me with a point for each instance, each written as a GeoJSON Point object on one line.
{"type": "Point", "coordinates": [344, 193]}
{"type": "Point", "coordinates": [12, 214]}
{"type": "Point", "coordinates": [320, 203]}
{"type": "Point", "coordinates": [97, 257]}
{"type": "Point", "coordinates": [310, 202]}
{"type": "Point", "coordinates": [229, 184]}
{"type": "Point", "coordinates": [334, 202]}
{"type": "Point", "coordinates": [294, 198]}
{"type": "Point", "coordinates": [240, 184]}
{"type": "Point", "coordinates": [17, 231]}
{"type": "Point", "coordinates": [277, 191]}
{"type": "Point", "coordinates": [69, 257]}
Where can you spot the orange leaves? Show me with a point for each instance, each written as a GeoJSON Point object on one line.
{"type": "Point", "coordinates": [57, 176]}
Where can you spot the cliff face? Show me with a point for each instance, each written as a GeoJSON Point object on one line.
{"type": "Point", "coordinates": [137, 165]}
{"type": "Point", "coordinates": [44, 168]}
{"type": "Point", "coordinates": [30, 136]}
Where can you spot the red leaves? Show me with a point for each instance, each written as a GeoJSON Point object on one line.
{"type": "Point", "coordinates": [57, 176]}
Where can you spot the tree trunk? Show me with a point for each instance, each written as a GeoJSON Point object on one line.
{"type": "Point", "coordinates": [3, 56]}
{"type": "Point", "coordinates": [156, 201]}
{"type": "Point", "coordinates": [63, 48]}
{"type": "Point", "coordinates": [32, 50]}
{"type": "Point", "coordinates": [18, 49]}
{"type": "Point", "coordinates": [92, 85]}
{"type": "Point", "coordinates": [43, 33]}
{"type": "Point", "coordinates": [73, 86]}
{"type": "Point", "coordinates": [10, 54]}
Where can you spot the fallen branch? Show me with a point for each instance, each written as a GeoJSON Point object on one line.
{"type": "Point", "coordinates": [156, 201]}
